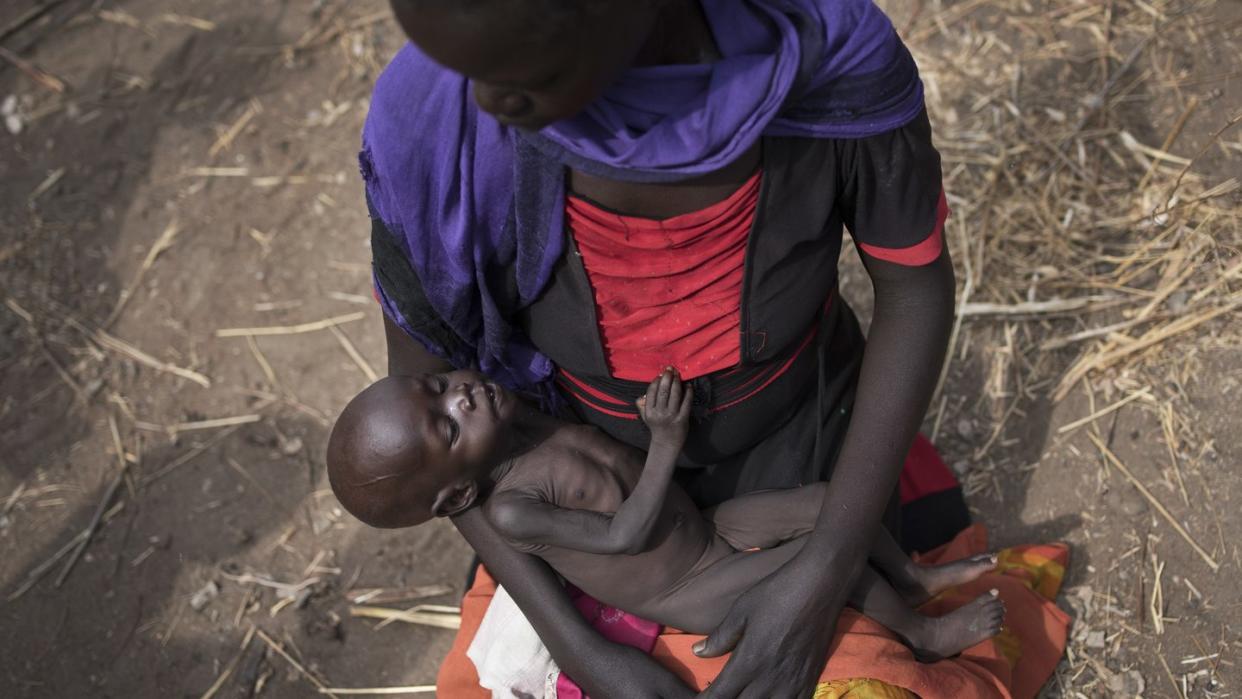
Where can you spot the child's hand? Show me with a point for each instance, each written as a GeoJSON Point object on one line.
{"type": "Point", "coordinates": [666, 408]}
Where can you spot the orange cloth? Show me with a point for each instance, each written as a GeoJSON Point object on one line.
{"type": "Point", "coordinates": [867, 660]}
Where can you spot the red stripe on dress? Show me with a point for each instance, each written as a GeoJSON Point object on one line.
{"type": "Point", "coordinates": [918, 254]}
{"type": "Point", "coordinates": [784, 367]}
{"type": "Point", "coordinates": [599, 408]}
{"type": "Point", "coordinates": [591, 390]}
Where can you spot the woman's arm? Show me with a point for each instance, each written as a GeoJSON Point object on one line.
{"type": "Point", "coordinates": [777, 653]}
{"type": "Point", "coordinates": [604, 669]}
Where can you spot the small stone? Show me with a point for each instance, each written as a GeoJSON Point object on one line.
{"type": "Point", "coordinates": [961, 468]}
{"type": "Point", "coordinates": [204, 596]}
{"type": "Point", "coordinates": [291, 446]}
{"type": "Point", "coordinates": [1129, 683]}
{"type": "Point", "coordinates": [1177, 300]}
{"type": "Point", "coordinates": [1127, 500]}
{"type": "Point", "coordinates": [1095, 639]}
{"type": "Point", "coordinates": [13, 123]}
{"type": "Point", "coordinates": [965, 428]}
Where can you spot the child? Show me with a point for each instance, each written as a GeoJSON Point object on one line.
{"type": "Point", "coordinates": [411, 448]}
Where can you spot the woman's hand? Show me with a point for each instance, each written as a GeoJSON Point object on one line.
{"type": "Point", "coordinates": [779, 631]}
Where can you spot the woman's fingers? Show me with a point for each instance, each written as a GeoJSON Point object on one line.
{"type": "Point", "coordinates": [723, 639]}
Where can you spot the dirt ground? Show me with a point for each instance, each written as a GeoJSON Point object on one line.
{"type": "Point", "coordinates": [172, 170]}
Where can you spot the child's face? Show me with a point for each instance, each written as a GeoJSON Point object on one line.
{"type": "Point", "coordinates": [461, 420]}
{"type": "Point", "coordinates": [525, 73]}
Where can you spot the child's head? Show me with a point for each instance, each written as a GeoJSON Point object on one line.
{"type": "Point", "coordinates": [409, 448]}
{"type": "Point", "coordinates": [531, 62]}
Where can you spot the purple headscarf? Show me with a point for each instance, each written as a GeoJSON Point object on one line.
{"type": "Point", "coordinates": [453, 185]}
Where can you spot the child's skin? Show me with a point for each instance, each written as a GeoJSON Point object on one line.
{"type": "Point", "coordinates": [606, 517]}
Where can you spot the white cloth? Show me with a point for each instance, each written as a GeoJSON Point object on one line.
{"type": "Point", "coordinates": [508, 655]}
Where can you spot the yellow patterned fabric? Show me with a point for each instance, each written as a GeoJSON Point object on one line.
{"type": "Point", "coordinates": [1040, 568]}
{"type": "Point", "coordinates": [860, 689]}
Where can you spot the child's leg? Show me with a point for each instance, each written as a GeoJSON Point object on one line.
{"type": "Point", "coordinates": [767, 518]}
{"type": "Point", "coordinates": [700, 601]}
{"type": "Point", "coordinates": [931, 638]}
{"type": "Point", "coordinates": [918, 583]}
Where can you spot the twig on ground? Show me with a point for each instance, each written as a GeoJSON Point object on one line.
{"type": "Point", "coordinates": [214, 423]}
{"type": "Point", "coordinates": [1088, 304]}
{"type": "Point", "coordinates": [28, 17]}
{"type": "Point", "coordinates": [1145, 393]}
{"type": "Point", "coordinates": [36, 574]}
{"type": "Point", "coordinates": [34, 72]}
{"type": "Point", "coordinates": [293, 329]}
{"type": "Point", "coordinates": [1112, 459]}
{"type": "Point", "coordinates": [162, 243]}
{"type": "Point", "coordinates": [380, 595]}
{"type": "Point", "coordinates": [323, 689]}
{"type": "Point", "coordinates": [107, 341]}
{"type": "Point", "coordinates": [425, 615]}
{"type": "Point", "coordinates": [187, 457]}
{"type": "Point", "coordinates": [263, 581]}
{"type": "Point", "coordinates": [354, 354]}
{"type": "Point", "coordinates": [231, 667]}
{"type": "Point", "coordinates": [123, 468]}
{"type": "Point", "coordinates": [246, 474]}
{"type": "Point", "coordinates": [1168, 140]}
{"type": "Point", "coordinates": [232, 132]}
{"type": "Point", "coordinates": [377, 691]}
{"type": "Point", "coordinates": [1157, 594]}
{"type": "Point", "coordinates": [1106, 358]}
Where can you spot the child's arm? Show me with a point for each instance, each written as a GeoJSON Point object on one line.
{"type": "Point", "coordinates": [528, 520]}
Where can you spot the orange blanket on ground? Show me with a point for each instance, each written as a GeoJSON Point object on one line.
{"type": "Point", "coordinates": [867, 661]}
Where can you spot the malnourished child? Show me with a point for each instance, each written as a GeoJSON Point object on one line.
{"type": "Point", "coordinates": [606, 518]}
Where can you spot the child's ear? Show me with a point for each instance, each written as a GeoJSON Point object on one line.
{"type": "Point", "coordinates": [453, 499]}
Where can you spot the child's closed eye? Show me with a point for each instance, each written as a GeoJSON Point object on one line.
{"type": "Point", "coordinates": [451, 431]}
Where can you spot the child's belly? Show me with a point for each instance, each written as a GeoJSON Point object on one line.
{"type": "Point", "coordinates": [679, 545]}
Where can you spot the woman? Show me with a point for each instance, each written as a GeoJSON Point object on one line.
{"type": "Point", "coordinates": [567, 194]}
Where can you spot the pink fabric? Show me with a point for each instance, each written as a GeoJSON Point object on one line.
{"type": "Point", "coordinates": [613, 624]}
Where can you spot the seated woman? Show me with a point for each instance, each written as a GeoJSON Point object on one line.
{"type": "Point", "coordinates": [568, 195]}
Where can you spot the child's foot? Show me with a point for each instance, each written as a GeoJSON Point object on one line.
{"type": "Point", "coordinates": [925, 582]}
{"type": "Point", "coordinates": [946, 636]}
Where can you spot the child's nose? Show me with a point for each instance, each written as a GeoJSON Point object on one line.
{"type": "Point", "coordinates": [465, 397]}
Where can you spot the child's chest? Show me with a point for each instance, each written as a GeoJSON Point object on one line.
{"type": "Point", "coordinates": [589, 472]}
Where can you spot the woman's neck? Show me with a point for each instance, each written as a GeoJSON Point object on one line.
{"type": "Point", "coordinates": [681, 35]}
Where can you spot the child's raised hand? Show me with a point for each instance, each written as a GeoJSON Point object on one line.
{"type": "Point", "coordinates": [666, 408]}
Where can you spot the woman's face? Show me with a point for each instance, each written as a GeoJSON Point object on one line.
{"type": "Point", "coordinates": [526, 73]}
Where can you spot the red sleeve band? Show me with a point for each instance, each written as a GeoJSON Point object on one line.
{"type": "Point", "coordinates": [921, 253]}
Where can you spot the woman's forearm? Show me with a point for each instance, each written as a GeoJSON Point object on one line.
{"type": "Point", "coordinates": [531, 583]}
{"type": "Point", "coordinates": [901, 364]}
{"type": "Point", "coordinates": [578, 649]}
